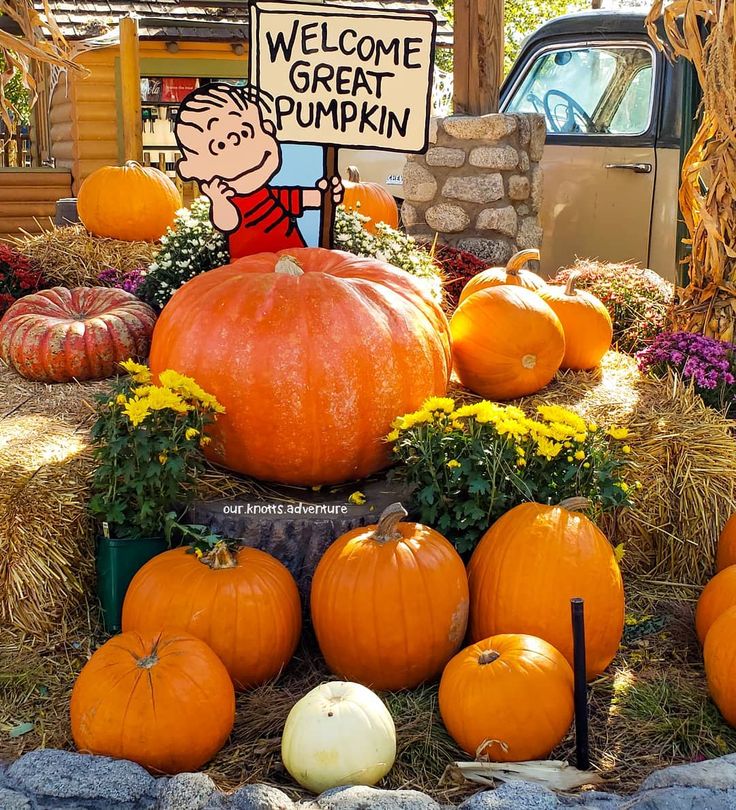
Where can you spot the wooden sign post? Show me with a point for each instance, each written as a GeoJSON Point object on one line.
{"type": "Point", "coordinates": [478, 55]}
{"type": "Point", "coordinates": [130, 90]}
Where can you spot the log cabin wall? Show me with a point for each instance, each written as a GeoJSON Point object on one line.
{"type": "Point", "coordinates": [28, 198]}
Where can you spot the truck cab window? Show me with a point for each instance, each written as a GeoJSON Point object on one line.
{"type": "Point", "coordinates": [601, 90]}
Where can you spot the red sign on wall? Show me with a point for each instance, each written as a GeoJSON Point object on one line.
{"type": "Point", "coordinates": [177, 88]}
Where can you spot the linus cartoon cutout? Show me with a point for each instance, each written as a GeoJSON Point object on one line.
{"type": "Point", "coordinates": [229, 146]}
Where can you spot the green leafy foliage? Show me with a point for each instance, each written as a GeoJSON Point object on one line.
{"type": "Point", "coordinates": [523, 17]}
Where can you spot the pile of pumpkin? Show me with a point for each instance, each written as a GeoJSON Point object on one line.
{"type": "Point", "coordinates": [390, 606]}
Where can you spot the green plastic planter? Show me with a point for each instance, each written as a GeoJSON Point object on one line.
{"type": "Point", "coordinates": [117, 563]}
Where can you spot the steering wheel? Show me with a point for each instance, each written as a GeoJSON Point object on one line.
{"type": "Point", "coordinates": [573, 113]}
{"type": "Point", "coordinates": [537, 103]}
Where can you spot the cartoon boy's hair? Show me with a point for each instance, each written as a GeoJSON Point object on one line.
{"type": "Point", "coordinates": [219, 95]}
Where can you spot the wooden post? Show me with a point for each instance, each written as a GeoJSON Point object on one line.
{"type": "Point", "coordinates": [478, 55]}
{"type": "Point", "coordinates": [328, 206]}
{"type": "Point", "coordinates": [130, 84]}
{"type": "Point", "coordinates": [582, 747]}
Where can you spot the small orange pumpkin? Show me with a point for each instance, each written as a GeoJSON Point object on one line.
{"type": "Point", "coordinates": [369, 199]}
{"type": "Point", "coordinates": [514, 274]}
{"type": "Point", "coordinates": [130, 202]}
{"type": "Point", "coordinates": [163, 700]}
{"type": "Point", "coordinates": [585, 320]}
{"type": "Point", "coordinates": [726, 554]}
{"type": "Point", "coordinates": [531, 563]}
{"type": "Point", "coordinates": [718, 596]}
{"type": "Point", "coordinates": [508, 698]}
{"type": "Point", "coordinates": [506, 342]}
{"type": "Point", "coordinates": [719, 656]}
{"type": "Point", "coordinates": [246, 607]}
{"type": "Point", "coordinates": [390, 603]}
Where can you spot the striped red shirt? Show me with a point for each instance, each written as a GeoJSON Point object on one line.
{"type": "Point", "coordinates": [268, 221]}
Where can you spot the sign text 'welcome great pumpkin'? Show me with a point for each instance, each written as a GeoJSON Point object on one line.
{"type": "Point", "coordinates": [344, 77]}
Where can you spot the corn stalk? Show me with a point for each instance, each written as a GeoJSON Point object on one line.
{"type": "Point", "coordinates": [40, 42]}
{"type": "Point", "coordinates": [702, 31]}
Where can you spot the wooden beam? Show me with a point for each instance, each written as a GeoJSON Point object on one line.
{"type": "Point", "coordinates": [478, 60]}
{"type": "Point", "coordinates": [130, 86]}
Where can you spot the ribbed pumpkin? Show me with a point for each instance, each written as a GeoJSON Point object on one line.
{"type": "Point", "coordinates": [527, 568]}
{"type": "Point", "coordinates": [390, 603]}
{"type": "Point", "coordinates": [514, 274]}
{"type": "Point", "coordinates": [508, 698]}
{"type": "Point", "coordinates": [506, 342]}
{"type": "Point", "coordinates": [245, 606]}
{"type": "Point", "coordinates": [719, 656]}
{"type": "Point", "coordinates": [163, 700]}
{"type": "Point", "coordinates": [130, 202]}
{"type": "Point", "coordinates": [726, 554]}
{"type": "Point", "coordinates": [718, 596]}
{"type": "Point", "coordinates": [59, 335]}
{"type": "Point", "coordinates": [369, 199]}
{"type": "Point", "coordinates": [313, 353]}
{"type": "Point", "coordinates": [585, 321]}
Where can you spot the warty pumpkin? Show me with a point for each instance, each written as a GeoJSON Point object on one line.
{"type": "Point", "coordinates": [514, 273]}
{"type": "Point", "coordinates": [585, 320]}
{"type": "Point", "coordinates": [508, 698]}
{"type": "Point", "coordinates": [719, 656]}
{"type": "Point", "coordinates": [163, 700]}
{"type": "Point", "coordinates": [506, 342]}
{"type": "Point", "coordinates": [369, 199]}
{"type": "Point", "coordinates": [245, 606]}
{"type": "Point", "coordinates": [59, 335]}
{"type": "Point", "coordinates": [531, 563]}
{"type": "Point", "coordinates": [726, 554]}
{"type": "Point", "coordinates": [313, 353]}
{"type": "Point", "coordinates": [718, 596]}
{"type": "Point", "coordinates": [130, 202]}
{"type": "Point", "coordinates": [389, 603]}
{"type": "Point", "coordinates": [338, 734]}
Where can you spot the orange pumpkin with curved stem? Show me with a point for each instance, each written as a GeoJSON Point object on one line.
{"type": "Point", "coordinates": [531, 563]}
{"type": "Point", "coordinates": [718, 596]}
{"type": "Point", "coordinates": [371, 200]}
{"type": "Point", "coordinates": [244, 605]}
{"type": "Point", "coordinates": [719, 657]}
{"type": "Point", "coordinates": [585, 320]}
{"type": "Point", "coordinates": [389, 603]}
{"type": "Point", "coordinates": [506, 342]}
{"type": "Point", "coordinates": [508, 698]}
{"type": "Point", "coordinates": [726, 554]}
{"type": "Point", "coordinates": [312, 353]}
{"type": "Point", "coordinates": [514, 274]}
{"type": "Point", "coordinates": [163, 700]}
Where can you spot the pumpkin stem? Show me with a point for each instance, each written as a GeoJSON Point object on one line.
{"type": "Point", "coordinates": [353, 174]}
{"type": "Point", "coordinates": [518, 260]}
{"type": "Point", "coordinates": [529, 360]}
{"type": "Point", "coordinates": [575, 504]}
{"type": "Point", "coordinates": [571, 282]}
{"type": "Point", "coordinates": [289, 266]}
{"type": "Point", "coordinates": [488, 657]}
{"type": "Point", "coordinates": [132, 164]}
{"type": "Point", "coordinates": [391, 516]}
{"type": "Point", "coordinates": [219, 557]}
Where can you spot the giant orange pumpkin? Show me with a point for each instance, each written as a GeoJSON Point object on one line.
{"type": "Point", "coordinates": [313, 353]}
{"type": "Point", "coordinates": [514, 274]}
{"type": "Point", "coordinates": [719, 656]}
{"type": "Point", "coordinates": [59, 335]}
{"type": "Point", "coordinates": [726, 554]}
{"type": "Point", "coordinates": [506, 342]}
{"type": "Point", "coordinates": [130, 202]}
{"type": "Point", "coordinates": [527, 568]}
{"type": "Point", "coordinates": [245, 606]}
{"type": "Point", "coordinates": [371, 200]}
{"type": "Point", "coordinates": [389, 603]}
{"type": "Point", "coordinates": [163, 700]}
{"type": "Point", "coordinates": [508, 698]}
{"type": "Point", "coordinates": [585, 320]}
{"type": "Point", "coordinates": [718, 596]}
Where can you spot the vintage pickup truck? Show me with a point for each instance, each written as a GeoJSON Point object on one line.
{"type": "Point", "coordinates": [615, 108]}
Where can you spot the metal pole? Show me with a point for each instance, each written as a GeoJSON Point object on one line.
{"type": "Point", "coordinates": [582, 752]}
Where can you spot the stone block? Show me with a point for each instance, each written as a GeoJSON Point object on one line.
{"type": "Point", "coordinates": [536, 189]}
{"type": "Point", "coordinates": [712, 773]}
{"type": "Point", "coordinates": [538, 137]}
{"type": "Point", "coordinates": [409, 214]}
{"type": "Point", "coordinates": [195, 791]}
{"type": "Point", "coordinates": [494, 251]}
{"type": "Point", "coordinates": [492, 127]}
{"type": "Point", "coordinates": [259, 797]}
{"type": "Point", "coordinates": [482, 188]}
{"type": "Point", "coordinates": [519, 187]}
{"type": "Point", "coordinates": [359, 797]}
{"type": "Point", "coordinates": [504, 220]}
{"type": "Point", "coordinates": [513, 796]}
{"type": "Point", "coordinates": [530, 233]}
{"type": "Point", "coordinates": [433, 126]}
{"type": "Point", "coordinates": [525, 129]}
{"type": "Point", "coordinates": [11, 800]}
{"type": "Point", "coordinates": [419, 184]}
{"type": "Point", "coordinates": [447, 218]}
{"type": "Point", "coordinates": [445, 156]}
{"type": "Point", "coordinates": [524, 163]}
{"type": "Point", "coordinates": [501, 158]}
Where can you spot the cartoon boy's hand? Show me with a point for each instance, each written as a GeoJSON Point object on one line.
{"type": "Point", "coordinates": [218, 189]}
{"type": "Point", "coordinates": [334, 185]}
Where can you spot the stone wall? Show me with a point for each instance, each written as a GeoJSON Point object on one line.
{"type": "Point", "coordinates": [479, 185]}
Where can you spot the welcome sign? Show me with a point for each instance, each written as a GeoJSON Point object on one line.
{"type": "Point", "coordinates": [359, 78]}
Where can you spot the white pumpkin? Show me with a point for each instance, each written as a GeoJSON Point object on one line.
{"type": "Point", "coordinates": [340, 733]}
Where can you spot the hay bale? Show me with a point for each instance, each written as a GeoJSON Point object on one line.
{"type": "Point", "coordinates": [46, 549]}
{"type": "Point", "coordinates": [71, 257]}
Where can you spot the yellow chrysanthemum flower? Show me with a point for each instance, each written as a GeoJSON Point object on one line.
{"type": "Point", "coordinates": [521, 462]}
{"type": "Point", "coordinates": [187, 387]}
{"type": "Point", "coordinates": [622, 485]}
{"type": "Point", "coordinates": [580, 455]}
{"type": "Point", "coordinates": [121, 399]}
{"type": "Point", "coordinates": [198, 553]}
{"type": "Point", "coordinates": [580, 437]}
{"type": "Point", "coordinates": [137, 371]}
{"type": "Point", "coordinates": [159, 399]}
{"type": "Point", "coordinates": [393, 436]}
{"type": "Point", "coordinates": [520, 451]}
{"type": "Point", "coordinates": [592, 427]}
{"type": "Point", "coordinates": [626, 449]}
{"type": "Point", "coordinates": [453, 463]}
{"type": "Point", "coordinates": [136, 410]}
{"type": "Point", "coordinates": [619, 552]}
{"type": "Point", "coordinates": [204, 441]}
{"type": "Point", "coordinates": [190, 433]}
{"type": "Point", "coordinates": [570, 458]}
{"type": "Point", "coordinates": [358, 498]}
{"type": "Point", "coordinates": [618, 432]}
{"type": "Point", "coordinates": [443, 404]}
{"type": "Point", "coordinates": [556, 413]}
{"type": "Point", "coordinates": [586, 466]}
{"type": "Point", "coordinates": [410, 420]}
{"type": "Point", "coordinates": [548, 449]}
{"type": "Point", "coordinates": [163, 457]}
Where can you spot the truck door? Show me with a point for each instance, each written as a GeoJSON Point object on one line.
{"type": "Point", "coordinates": [599, 163]}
